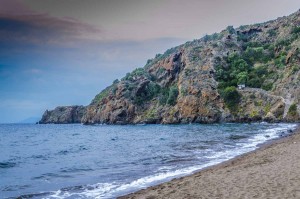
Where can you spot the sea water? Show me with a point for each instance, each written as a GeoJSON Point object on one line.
{"type": "Point", "coordinates": [102, 161]}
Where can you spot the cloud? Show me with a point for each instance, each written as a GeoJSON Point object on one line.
{"type": "Point", "coordinates": [14, 6]}
{"type": "Point", "coordinates": [21, 24]}
{"type": "Point", "coordinates": [41, 29]}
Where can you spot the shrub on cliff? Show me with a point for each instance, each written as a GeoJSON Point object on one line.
{"type": "Point", "coordinates": [148, 93]}
{"type": "Point", "coordinates": [231, 97]}
{"type": "Point", "coordinates": [101, 95]}
{"type": "Point", "coordinates": [295, 30]}
{"type": "Point", "coordinates": [293, 110]}
{"type": "Point", "coordinates": [173, 94]}
{"type": "Point", "coordinates": [236, 72]}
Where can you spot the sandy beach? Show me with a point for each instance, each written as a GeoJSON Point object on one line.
{"type": "Point", "coordinates": [272, 171]}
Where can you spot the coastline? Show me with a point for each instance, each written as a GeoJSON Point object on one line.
{"type": "Point", "coordinates": [271, 171]}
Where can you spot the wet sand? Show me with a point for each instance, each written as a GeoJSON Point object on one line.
{"type": "Point", "coordinates": [272, 171]}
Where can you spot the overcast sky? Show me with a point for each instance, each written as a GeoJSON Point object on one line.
{"type": "Point", "coordinates": [63, 52]}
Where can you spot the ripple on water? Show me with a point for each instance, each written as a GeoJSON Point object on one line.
{"type": "Point", "coordinates": [63, 152]}
{"type": "Point", "coordinates": [6, 165]}
{"type": "Point", "coordinates": [74, 170]}
{"type": "Point", "coordinates": [237, 137]}
{"type": "Point", "coordinates": [43, 157]}
{"type": "Point", "coordinates": [15, 187]}
{"type": "Point", "coordinates": [48, 176]}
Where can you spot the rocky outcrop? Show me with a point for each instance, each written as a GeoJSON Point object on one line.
{"type": "Point", "coordinates": [258, 105]}
{"type": "Point", "coordinates": [187, 84]}
{"type": "Point", "coordinates": [63, 115]}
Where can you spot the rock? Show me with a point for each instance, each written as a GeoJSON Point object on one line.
{"type": "Point", "coordinates": [181, 85]}
{"type": "Point", "coordinates": [269, 117]}
{"type": "Point", "coordinates": [63, 115]}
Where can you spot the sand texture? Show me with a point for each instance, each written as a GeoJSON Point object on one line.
{"type": "Point", "coordinates": [273, 171]}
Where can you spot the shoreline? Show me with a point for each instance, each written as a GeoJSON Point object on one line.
{"type": "Point", "coordinates": [255, 174]}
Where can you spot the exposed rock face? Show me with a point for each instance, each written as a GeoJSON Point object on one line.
{"type": "Point", "coordinates": [257, 105]}
{"type": "Point", "coordinates": [186, 84]}
{"type": "Point", "coordinates": [63, 115]}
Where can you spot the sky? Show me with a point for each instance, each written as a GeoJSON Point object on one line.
{"type": "Point", "coordinates": [64, 52]}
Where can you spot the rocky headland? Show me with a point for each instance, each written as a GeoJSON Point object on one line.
{"type": "Point", "coordinates": [197, 82]}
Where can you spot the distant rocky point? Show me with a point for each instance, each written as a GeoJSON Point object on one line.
{"type": "Point", "coordinates": [197, 82]}
{"type": "Point", "coordinates": [63, 115]}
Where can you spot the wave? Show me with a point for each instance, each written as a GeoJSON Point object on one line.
{"type": "Point", "coordinates": [48, 176]}
{"type": "Point", "coordinates": [237, 137]}
{"type": "Point", "coordinates": [167, 172]}
{"type": "Point", "coordinates": [6, 165]}
{"type": "Point", "coordinates": [108, 190]}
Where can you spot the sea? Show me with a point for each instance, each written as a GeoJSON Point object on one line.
{"type": "Point", "coordinates": [106, 161]}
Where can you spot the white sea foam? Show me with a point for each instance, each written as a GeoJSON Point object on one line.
{"type": "Point", "coordinates": [165, 173]}
{"type": "Point", "coordinates": [109, 190]}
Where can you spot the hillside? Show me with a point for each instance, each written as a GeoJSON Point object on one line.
{"type": "Point", "coordinates": [197, 82]}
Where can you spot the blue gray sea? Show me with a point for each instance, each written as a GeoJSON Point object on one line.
{"type": "Point", "coordinates": [103, 161]}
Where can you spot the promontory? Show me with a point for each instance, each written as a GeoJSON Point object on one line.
{"type": "Point", "coordinates": [244, 74]}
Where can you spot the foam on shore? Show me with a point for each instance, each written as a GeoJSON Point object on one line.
{"type": "Point", "coordinates": [111, 190]}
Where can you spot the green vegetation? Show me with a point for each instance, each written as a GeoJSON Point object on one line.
{"type": "Point", "coordinates": [183, 91]}
{"type": "Point", "coordinates": [258, 103]}
{"type": "Point", "coordinates": [148, 93]}
{"type": "Point", "coordinates": [230, 29]}
{"type": "Point", "coordinates": [295, 69]}
{"type": "Point", "coordinates": [159, 56]}
{"type": "Point", "coordinates": [295, 30]}
{"type": "Point", "coordinates": [136, 73]}
{"type": "Point", "coordinates": [293, 110]}
{"type": "Point", "coordinates": [212, 37]}
{"type": "Point", "coordinates": [267, 86]}
{"type": "Point", "coordinates": [254, 113]}
{"type": "Point", "coordinates": [116, 81]}
{"type": "Point", "coordinates": [267, 108]}
{"type": "Point", "coordinates": [151, 114]}
{"type": "Point", "coordinates": [161, 70]}
{"type": "Point", "coordinates": [242, 37]}
{"type": "Point", "coordinates": [272, 33]}
{"type": "Point", "coordinates": [101, 95]}
{"type": "Point", "coordinates": [187, 71]}
{"type": "Point", "coordinates": [165, 96]}
{"type": "Point", "coordinates": [280, 60]}
{"type": "Point", "coordinates": [173, 94]}
{"type": "Point", "coordinates": [251, 67]}
{"type": "Point", "coordinates": [168, 95]}
{"type": "Point", "coordinates": [231, 97]}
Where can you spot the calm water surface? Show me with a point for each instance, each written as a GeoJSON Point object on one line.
{"type": "Point", "coordinates": [76, 161]}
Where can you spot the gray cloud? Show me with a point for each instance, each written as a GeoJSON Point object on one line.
{"type": "Point", "coordinates": [43, 29]}
{"type": "Point", "coordinates": [16, 7]}
{"type": "Point", "coordinates": [143, 19]}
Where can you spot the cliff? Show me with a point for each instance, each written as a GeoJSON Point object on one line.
{"type": "Point", "coordinates": [63, 115]}
{"type": "Point", "coordinates": [197, 81]}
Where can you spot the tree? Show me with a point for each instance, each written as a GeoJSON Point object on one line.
{"type": "Point", "coordinates": [242, 77]}
{"type": "Point", "coordinates": [173, 93]}
{"type": "Point", "coordinates": [231, 97]}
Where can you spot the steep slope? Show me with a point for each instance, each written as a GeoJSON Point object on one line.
{"type": "Point", "coordinates": [196, 81]}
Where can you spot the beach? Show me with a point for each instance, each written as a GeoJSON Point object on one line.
{"type": "Point", "coordinates": [272, 171]}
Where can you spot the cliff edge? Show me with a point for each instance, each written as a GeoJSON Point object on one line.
{"type": "Point", "coordinates": [244, 74]}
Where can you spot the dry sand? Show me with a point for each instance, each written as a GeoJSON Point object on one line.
{"type": "Point", "coordinates": [272, 171]}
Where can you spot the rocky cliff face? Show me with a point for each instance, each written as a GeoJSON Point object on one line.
{"type": "Point", "coordinates": [196, 81]}
{"type": "Point", "coordinates": [63, 115]}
